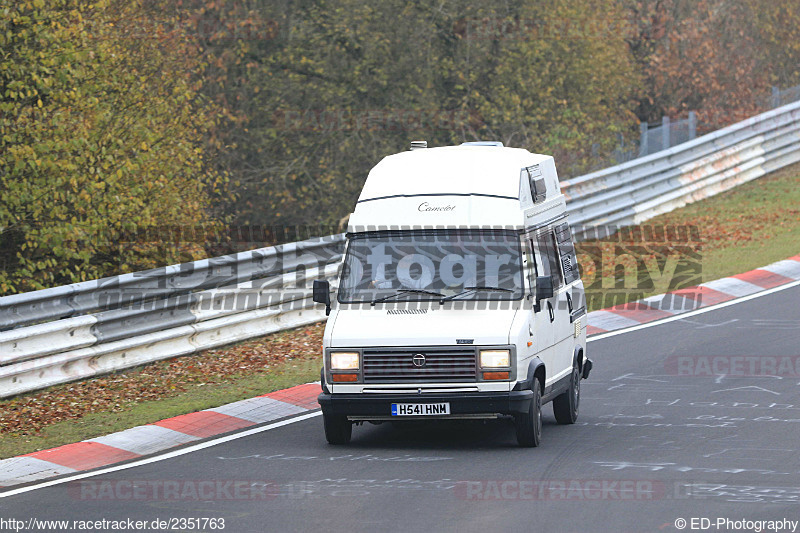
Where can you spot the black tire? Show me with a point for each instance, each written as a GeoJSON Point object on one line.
{"type": "Point", "coordinates": [565, 406]}
{"type": "Point", "coordinates": [529, 425]}
{"type": "Point", "coordinates": [338, 429]}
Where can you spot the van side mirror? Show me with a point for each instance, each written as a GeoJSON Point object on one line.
{"type": "Point", "coordinates": [544, 290]}
{"type": "Point", "coordinates": [322, 294]}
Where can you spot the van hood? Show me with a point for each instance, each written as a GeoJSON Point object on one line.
{"type": "Point", "coordinates": [419, 327]}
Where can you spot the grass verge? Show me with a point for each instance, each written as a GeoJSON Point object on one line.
{"type": "Point", "coordinates": [739, 230]}
{"type": "Point", "coordinates": [90, 408]}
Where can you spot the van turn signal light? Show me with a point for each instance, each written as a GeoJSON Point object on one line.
{"type": "Point", "coordinates": [495, 375]}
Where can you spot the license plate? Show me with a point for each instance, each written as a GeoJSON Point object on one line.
{"type": "Point", "coordinates": [420, 409]}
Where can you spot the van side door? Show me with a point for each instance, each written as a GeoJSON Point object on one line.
{"type": "Point", "coordinates": [541, 334]}
{"type": "Point", "coordinates": [572, 279]}
{"type": "Point", "coordinates": [571, 297]}
{"type": "Point", "coordinates": [560, 306]}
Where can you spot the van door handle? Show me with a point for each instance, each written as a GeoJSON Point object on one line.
{"type": "Point", "coordinates": [569, 302]}
{"type": "Point", "coordinates": [550, 310]}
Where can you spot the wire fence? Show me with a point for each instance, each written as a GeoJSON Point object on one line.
{"type": "Point", "coordinates": [780, 97]}
{"type": "Point", "coordinates": [669, 132]}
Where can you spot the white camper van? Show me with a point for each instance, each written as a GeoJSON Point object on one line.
{"type": "Point", "coordinates": [460, 296]}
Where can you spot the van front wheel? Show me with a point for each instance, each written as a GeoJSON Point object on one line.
{"type": "Point", "coordinates": [529, 425]}
{"type": "Point", "coordinates": [565, 406]}
{"type": "Point", "coordinates": [338, 429]}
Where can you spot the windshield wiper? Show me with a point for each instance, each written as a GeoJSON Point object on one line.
{"type": "Point", "coordinates": [401, 292]}
{"type": "Point", "coordinates": [473, 289]}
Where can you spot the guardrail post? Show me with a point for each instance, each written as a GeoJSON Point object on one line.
{"type": "Point", "coordinates": [776, 97]}
{"type": "Point", "coordinates": [642, 139]}
{"type": "Point", "coordinates": [665, 132]}
{"type": "Point", "coordinates": [692, 125]}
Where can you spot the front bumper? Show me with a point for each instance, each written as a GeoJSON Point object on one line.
{"type": "Point", "coordinates": [379, 406]}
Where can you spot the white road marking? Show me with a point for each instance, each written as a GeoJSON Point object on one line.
{"type": "Point", "coordinates": [643, 378]}
{"type": "Point", "coordinates": [700, 325]}
{"type": "Point", "coordinates": [749, 388]}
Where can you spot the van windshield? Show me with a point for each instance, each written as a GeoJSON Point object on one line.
{"type": "Point", "coordinates": [428, 265]}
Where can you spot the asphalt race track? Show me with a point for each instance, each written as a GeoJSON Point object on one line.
{"type": "Point", "coordinates": [651, 447]}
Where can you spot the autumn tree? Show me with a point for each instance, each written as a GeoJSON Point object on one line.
{"type": "Point", "coordinates": [101, 136]}
{"type": "Point", "coordinates": [555, 78]}
{"type": "Point", "coordinates": [318, 92]}
{"type": "Point", "coordinates": [697, 55]}
{"type": "Point", "coordinates": [777, 32]}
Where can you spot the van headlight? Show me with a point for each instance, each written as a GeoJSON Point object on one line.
{"type": "Point", "coordinates": [495, 358]}
{"type": "Point", "coordinates": [345, 360]}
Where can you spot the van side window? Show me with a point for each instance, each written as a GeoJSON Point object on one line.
{"type": "Point", "coordinates": [530, 256]}
{"type": "Point", "coordinates": [566, 253]}
{"type": "Point", "coordinates": [558, 278]}
{"type": "Point", "coordinates": [533, 259]}
{"type": "Point", "coordinates": [547, 249]}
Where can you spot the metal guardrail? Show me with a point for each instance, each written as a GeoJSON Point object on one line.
{"type": "Point", "coordinates": [638, 190]}
{"type": "Point", "coordinates": [76, 331]}
{"type": "Point", "coordinates": [90, 328]}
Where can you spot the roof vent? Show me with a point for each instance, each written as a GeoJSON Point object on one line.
{"type": "Point", "coordinates": [416, 145]}
{"type": "Point", "coordinates": [483, 143]}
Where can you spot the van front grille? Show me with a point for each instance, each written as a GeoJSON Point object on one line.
{"type": "Point", "coordinates": [400, 365]}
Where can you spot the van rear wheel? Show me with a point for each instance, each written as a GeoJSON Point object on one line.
{"type": "Point", "coordinates": [565, 406]}
{"type": "Point", "coordinates": [338, 429]}
{"type": "Point", "coordinates": [529, 425]}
